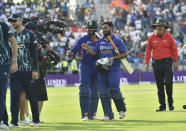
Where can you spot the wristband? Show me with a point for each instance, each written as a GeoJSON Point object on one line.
{"type": "Point", "coordinates": [14, 59]}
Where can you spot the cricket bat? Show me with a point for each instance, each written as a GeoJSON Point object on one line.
{"type": "Point", "coordinates": [124, 61]}
{"type": "Point", "coordinates": [127, 66]}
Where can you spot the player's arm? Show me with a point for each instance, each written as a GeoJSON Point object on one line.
{"type": "Point", "coordinates": [34, 52]}
{"type": "Point", "coordinates": [88, 50]}
{"type": "Point", "coordinates": [120, 56]}
{"type": "Point", "coordinates": [9, 33]}
{"type": "Point", "coordinates": [75, 49]}
{"type": "Point", "coordinates": [174, 53]}
{"type": "Point", "coordinates": [14, 47]}
{"type": "Point", "coordinates": [148, 54]}
{"type": "Point", "coordinates": [34, 55]}
{"type": "Point", "coordinates": [122, 49]}
{"type": "Point", "coordinates": [14, 53]}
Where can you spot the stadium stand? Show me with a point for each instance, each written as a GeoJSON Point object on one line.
{"type": "Point", "coordinates": [132, 20]}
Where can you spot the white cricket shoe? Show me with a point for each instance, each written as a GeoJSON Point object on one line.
{"type": "Point", "coordinates": [95, 118]}
{"type": "Point", "coordinates": [107, 118]}
{"type": "Point", "coordinates": [23, 123]}
{"type": "Point", "coordinates": [11, 125]}
{"type": "Point", "coordinates": [41, 121]}
{"type": "Point", "coordinates": [85, 118]}
{"type": "Point", "coordinates": [121, 115]}
{"type": "Point", "coordinates": [34, 124]}
{"type": "Point", "coordinates": [4, 127]}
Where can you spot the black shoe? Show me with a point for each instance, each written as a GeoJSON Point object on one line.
{"type": "Point", "coordinates": [184, 106]}
{"type": "Point", "coordinates": [171, 108]}
{"type": "Point", "coordinates": [161, 109]}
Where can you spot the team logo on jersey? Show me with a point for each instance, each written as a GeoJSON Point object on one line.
{"type": "Point", "coordinates": [10, 31]}
{"type": "Point", "coordinates": [102, 42]}
{"type": "Point", "coordinates": [89, 42]}
{"type": "Point", "coordinates": [35, 42]}
{"type": "Point", "coordinates": [155, 41]}
{"type": "Point", "coordinates": [165, 41]}
{"type": "Point", "coordinates": [21, 46]}
{"type": "Point", "coordinates": [24, 37]}
{"type": "Point", "coordinates": [106, 47]}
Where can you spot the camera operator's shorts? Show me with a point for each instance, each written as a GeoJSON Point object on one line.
{"type": "Point", "coordinates": [40, 89]}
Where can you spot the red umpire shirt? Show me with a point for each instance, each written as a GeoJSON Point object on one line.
{"type": "Point", "coordinates": [161, 47]}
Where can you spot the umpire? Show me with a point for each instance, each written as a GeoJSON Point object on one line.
{"type": "Point", "coordinates": [164, 54]}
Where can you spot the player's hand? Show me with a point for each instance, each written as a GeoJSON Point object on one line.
{"type": "Point", "coordinates": [14, 67]}
{"type": "Point", "coordinates": [105, 67]}
{"type": "Point", "coordinates": [35, 75]}
{"type": "Point", "coordinates": [111, 59]}
{"type": "Point", "coordinates": [85, 46]}
{"type": "Point", "coordinates": [70, 54]}
{"type": "Point", "coordinates": [147, 67]}
{"type": "Point", "coordinates": [175, 66]}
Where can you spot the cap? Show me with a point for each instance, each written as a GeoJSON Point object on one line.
{"type": "Point", "coordinates": [14, 17]}
{"type": "Point", "coordinates": [159, 22]}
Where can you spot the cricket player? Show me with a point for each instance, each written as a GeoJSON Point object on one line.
{"type": "Point", "coordinates": [88, 90]}
{"type": "Point", "coordinates": [8, 60]}
{"type": "Point", "coordinates": [110, 79]}
{"type": "Point", "coordinates": [27, 71]}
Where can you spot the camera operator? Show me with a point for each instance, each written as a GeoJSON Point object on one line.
{"type": "Point", "coordinates": [40, 27]}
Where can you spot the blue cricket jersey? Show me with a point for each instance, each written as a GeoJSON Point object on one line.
{"type": "Point", "coordinates": [105, 49]}
{"type": "Point", "coordinates": [86, 58]}
{"type": "Point", "coordinates": [5, 47]}
{"type": "Point", "coordinates": [27, 51]}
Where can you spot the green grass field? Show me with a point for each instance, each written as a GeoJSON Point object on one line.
{"type": "Point", "coordinates": [62, 112]}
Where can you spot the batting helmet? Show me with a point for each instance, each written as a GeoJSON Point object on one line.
{"type": "Point", "coordinates": [102, 65]}
{"type": "Point", "coordinates": [159, 22]}
{"type": "Point", "coordinates": [91, 26]}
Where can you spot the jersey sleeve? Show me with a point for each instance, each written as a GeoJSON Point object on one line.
{"type": "Point", "coordinates": [77, 47]}
{"type": "Point", "coordinates": [174, 49]}
{"type": "Point", "coordinates": [34, 51]}
{"type": "Point", "coordinates": [7, 31]}
{"type": "Point", "coordinates": [121, 46]}
{"type": "Point", "coordinates": [148, 51]}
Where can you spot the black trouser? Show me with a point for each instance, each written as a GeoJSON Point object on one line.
{"type": "Point", "coordinates": [4, 74]}
{"type": "Point", "coordinates": [163, 75]}
{"type": "Point", "coordinates": [5, 117]}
